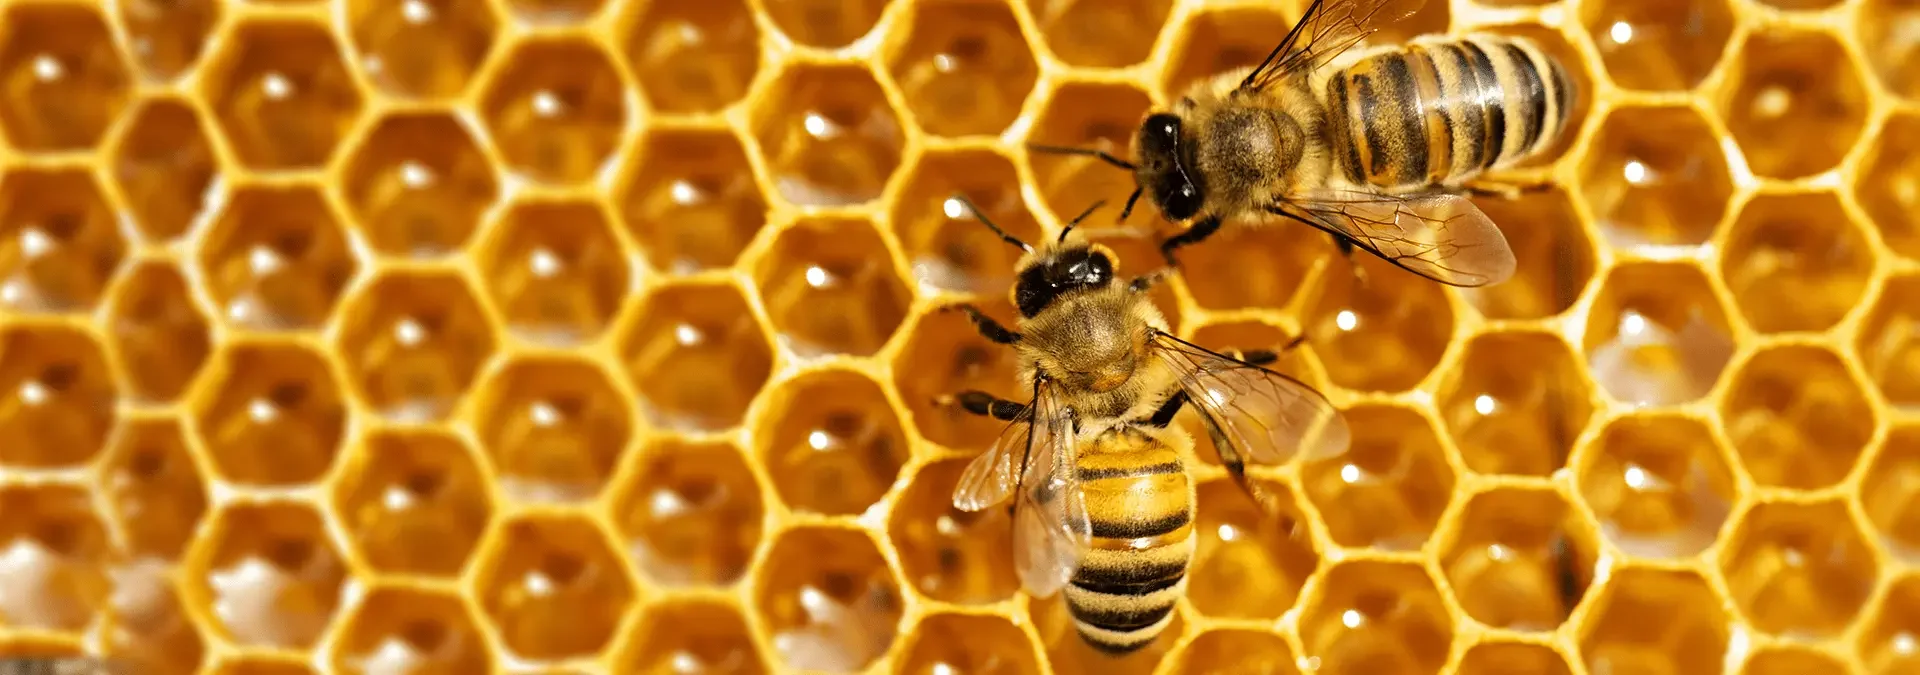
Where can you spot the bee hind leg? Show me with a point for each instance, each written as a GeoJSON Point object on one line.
{"type": "Point", "coordinates": [1504, 189]}
{"type": "Point", "coordinates": [983, 404]}
{"type": "Point", "coordinates": [1347, 251]}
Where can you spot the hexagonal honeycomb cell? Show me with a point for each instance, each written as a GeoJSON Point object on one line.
{"type": "Point", "coordinates": [833, 445]}
{"type": "Point", "coordinates": [1793, 83]}
{"type": "Point", "coordinates": [154, 489]}
{"type": "Point", "coordinates": [1654, 178]}
{"type": "Point", "coordinates": [1554, 252]}
{"type": "Point", "coordinates": [58, 405]}
{"type": "Point", "coordinates": [1390, 487]}
{"type": "Point", "coordinates": [581, 336]}
{"type": "Point", "coordinates": [1886, 495]}
{"type": "Point", "coordinates": [159, 332]}
{"type": "Point", "coordinates": [948, 554]}
{"type": "Point", "coordinates": [56, 555]}
{"type": "Point", "coordinates": [556, 271]}
{"type": "Point", "coordinates": [553, 587]}
{"type": "Point", "coordinates": [423, 48]}
{"type": "Point", "coordinates": [835, 607]}
{"type": "Point", "coordinates": [1374, 617]}
{"type": "Point", "coordinates": [400, 627]}
{"type": "Point", "coordinates": [830, 288]}
{"type": "Point", "coordinates": [413, 502]}
{"type": "Point", "coordinates": [946, 246]}
{"type": "Point", "coordinates": [270, 573]}
{"type": "Point", "coordinates": [166, 38]}
{"type": "Point", "coordinates": [271, 412]}
{"type": "Point", "coordinates": [557, 111]}
{"type": "Point", "coordinates": [1664, 46]}
{"type": "Point", "coordinates": [60, 245]}
{"type": "Point", "coordinates": [418, 185]}
{"type": "Point", "coordinates": [165, 166]}
{"type": "Point", "coordinates": [963, 66]}
{"type": "Point", "coordinates": [554, 426]}
{"type": "Point", "coordinates": [1662, 485]}
{"type": "Point", "coordinates": [690, 513]}
{"type": "Point", "coordinates": [413, 342]}
{"type": "Point", "coordinates": [694, 57]}
{"type": "Point", "coordinates": [283, 94]}
{"type": "Point", "coordinates": [1891, 55]}
{"type": "Point", "coordinates": [1885, 184]}
{"type": "Point", "coordinates": [821, 23]}
{"type": "Point", "coordinates": [698, 636]}
{"type": "Point", "coordinates": [1515, 403]}
{"type": "Point", "coordinates": [997, 646]}
{"type": "Point", "coordinates": [1886, 645]}
{"type": "Point", "coordinates": [1801, 570]}
{"type": "Point", "coordinates": [1657, 335]}
{"type": "Point", "coordinates": [692, 199]}
{"type": "Point", "coordinates": [276, 258]}
{"type": "Point", "coordinates": [1796, 262]}
{"type": "Point", "coordinates": [831, 140]}
{"type": "Point", "coordinates": [65, 78]}
{"type": "Point", "coordinates": [1250, 563]}
{"type": "Point", "coordinates": [1099, 35]}
{"type": "Point", "coordinates": [1380, 329]}
{"type": "Point", "coordinates": [1656, 621]}
{"type": "Point", "coordinates": [1797, 418]}
{"type": "Point", "coordinates": [1519, 559]}
{"type": "Point", "coordinates": [1238, 651]}
{"type": "Point", "coordinates": [1512, 658]}
{"type": "Point", "coordinates": [696, 356]}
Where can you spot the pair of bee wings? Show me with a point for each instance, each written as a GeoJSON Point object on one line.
{"type": "Point", "coordinates": [1255, 415]}
{"type": "Point", "coordinates": [1438, 235]}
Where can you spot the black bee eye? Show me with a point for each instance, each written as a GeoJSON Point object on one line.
{"type": "Point", "coordinates": [1160, 134]}
{"type": "Point", "coordinates": [1182, 202]}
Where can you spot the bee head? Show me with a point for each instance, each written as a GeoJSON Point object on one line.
{"type": "Point", "coordinates": [1163, 172]}
{"type": "Point", "coordinates": [1058, 270]}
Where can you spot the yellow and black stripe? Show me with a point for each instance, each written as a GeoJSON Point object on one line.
{"type": "Point", "coordinates": [1442, 111]}
{"type": "Point", "coordinates": [1140, 504]}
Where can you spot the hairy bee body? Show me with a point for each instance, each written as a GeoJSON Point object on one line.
{"type": "Point", "coordinates": [1140, 503]}
{"type": "Point", "coordinates": [1443, 111]}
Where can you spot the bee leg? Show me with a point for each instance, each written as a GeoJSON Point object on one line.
{"type": "Point", "coordinates": [1194, 235]}
{"type": "Point", "coordinates": [1504, 190]}
{"type": "Point", "coordinates": [1347, 250]}
{"type": "Point", "coordinates": [983, 404]}
{"type": "Point", "coordinates": [989, 329]}
{"type": "Point", "coordinates": [1261, 357]}
{"type": "Point", "coordinates": [1146, 282]}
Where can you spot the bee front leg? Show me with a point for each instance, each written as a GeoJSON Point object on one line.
{"type": "Point", "coordinates": [983, 404]}
{"type": "Point", "coordinates": [989, 329]}
{"type": "Point", "coordinates": [1199, 232]}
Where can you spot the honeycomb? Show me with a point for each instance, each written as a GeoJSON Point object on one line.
{"type": "Point", "coordinates": [574, 336]}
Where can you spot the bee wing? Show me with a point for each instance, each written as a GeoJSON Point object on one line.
{"type": "Point", "coordinates": [1327, 29]}
{"type": "Point", "coordinates": [1254, 414]}
{"type": "Point", "coordinates": [1437, 235]}
{"type": "Point", "coordinates": [1050, 526]}
{"type": "Point", "coordinates": [991, 476]}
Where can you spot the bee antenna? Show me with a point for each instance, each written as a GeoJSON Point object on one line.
{"type": "Point", "coordinates": [1076, 219]}
{"type": "Point", "coordinates": [1131, 199]}
{"type": "Point", "coordinates": [1083, 152]}
{"type": "Point", "coordinates": [982, 217]}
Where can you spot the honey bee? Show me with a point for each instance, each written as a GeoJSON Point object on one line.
{"type": "Point", "coordinates": [1377, 152]}
{"type": "Point", "coordinates": [1102, 502]}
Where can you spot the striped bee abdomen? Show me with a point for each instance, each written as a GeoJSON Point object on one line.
{"type": "Point", "coordinates": [1441, 111]}
{"type": "Point", "coordinates": [1140, 503]}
